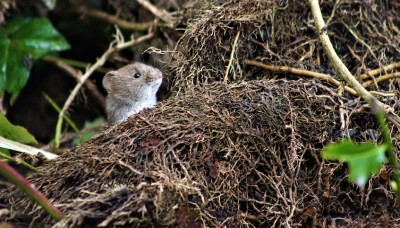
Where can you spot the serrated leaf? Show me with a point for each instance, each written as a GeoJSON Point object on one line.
{"type": "Point", "coordinates": [15, 133]}
{"type": "Point", "coordinates": [363, 159]}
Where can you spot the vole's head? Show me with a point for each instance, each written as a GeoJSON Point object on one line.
{"type": "Point", "coordinates": [132, 80]}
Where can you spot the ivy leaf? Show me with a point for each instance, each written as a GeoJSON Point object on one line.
{"type": "Point", "coordinates": [4, 44]}
{"type": "Point", "coordinates": [15, 133]}
{"type": "Point", "coordinates": [38, 37]}
{"type": "Point", "coordinates": [24, 40]}
{"type": "Point", "coordinates": [13, 25]}
{"type": "Point", "coordinates": [363, 159]}
{"type": "Point", "coordinates": [19, 64]}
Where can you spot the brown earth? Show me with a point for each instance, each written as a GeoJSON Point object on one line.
{"type": "Point", "coordinates": [245, 152]}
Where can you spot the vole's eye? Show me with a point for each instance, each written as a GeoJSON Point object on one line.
{"type": "Point", "coordinates": [137, 75]}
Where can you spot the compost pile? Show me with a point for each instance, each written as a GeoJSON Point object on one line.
{"type": "Point", "coordinates": [244, 152]}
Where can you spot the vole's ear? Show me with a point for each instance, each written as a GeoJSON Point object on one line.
{"type": "Point", "coordinates": [107, 80]}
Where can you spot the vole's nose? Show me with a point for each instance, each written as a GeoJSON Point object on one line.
{"type": "Point", "coordinates": [159, 75]}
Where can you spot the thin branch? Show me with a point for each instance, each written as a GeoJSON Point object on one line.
{"type": "Point", "coordinates": [340, 68]}
{"type": "Point", "coordinates": [116, 45]}
{"type": "Point", "coordinates": [58, 109]}
{"type": "Point", "coordinates": [123, 24]}
{"type": "Point", "coordinates": [18, 161]}
{"type": "Point", "coordinates": [12, 145]}
{"type": "Point", "coordinates": [284, 69]}
{"type": "Point", "coordinates": [382, 78]}
{"type": "Point", "coordinates": [377, 93]}
{"type": "Point", "coordinates": [359, 39]}
{"type": "Point", "coordinates": [231, 58]}
{"type": "Point", "coordinates": [165, 16]}
{"type": "Point", "coordinates": [64, 66]}
{"type": "Point", "coordinates": [73, 63]}
{"type": "Point", "coordinates": [335, 7]}
{"type": "Point", "coordinates": [379, 70]}
{"type": "Point", "coordinates": [99, 98]}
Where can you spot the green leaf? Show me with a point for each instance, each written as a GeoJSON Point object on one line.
{"type": "Point", "coordinates": [13, 25]}
{"type": "Point", "coordinates": [89, 134]}
{"type": "Point", "coordinates": [363, 160]}
{"type": "Point", "coordinates": [5, 151]}
{"type": "Point", "coordinates": [19, 65]}
{"type": "Point", "coordinates": [38, 37]}
{"type": "Point", "coordinates": [22, 41]}
{"type": "Point", "coordinates": [4, 44]}
{"type": "Point", "coordinates": [83, 138]}
{"type": "Point", "coordinates": [394, 186]}
{"type": "Point", "coordinates": [15, 133]}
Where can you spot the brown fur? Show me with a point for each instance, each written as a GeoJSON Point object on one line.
{"type": "Point", "coordinates": [128, 95]}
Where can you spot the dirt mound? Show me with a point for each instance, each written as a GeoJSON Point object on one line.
{"type": "Point", "coordinates": [244, 153]}
{"type": "Point", "coordinates": [238, 154]}
{"type": "Point", "coordinates": [282, 33]}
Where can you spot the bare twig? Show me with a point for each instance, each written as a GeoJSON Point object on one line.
{"type": "Point", "coordinates": [335, 7]}
{"type": "Point", "coordinates": [58, 109]}
{"type": "Point", "coordinates": [393, 26]}
{"type": "Point", "coordinates": [116, 45]}
{"type": "Point", "coordinates": [123, 24]}
{"type": "Point", "coordinates": [340, 68]}
{"type": "Point", "coordinates": [379, 70]}
{"type": "Point", "coordinates": [73, 63]}
{"type": "Point", "coordinates": [12, 145]}
{"type": "Point", "coordinates": [231, 58]}
{"type": "Point", "coordinates": [382, 78]}
{"type": "Point", "coordinates": [359, 39]}
{"type": "Point", "coordinates": [377, 93]}
{"type": "Point", "coordinates": [285, 69]}
{"type": "Point", "coordinates": [64, 66]}
{"type": "Point", "coordinates": [99, 98]}
{"type": "Point", "coordinates": [18, 161]}
{"type": "Point", "coordinates": [166, 17]}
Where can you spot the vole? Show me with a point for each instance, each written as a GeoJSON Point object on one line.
{"type": "Point", "coordinates": [130, 89]}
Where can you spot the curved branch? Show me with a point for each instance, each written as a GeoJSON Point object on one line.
{"type": "Point", "coordinates": [339, 66]}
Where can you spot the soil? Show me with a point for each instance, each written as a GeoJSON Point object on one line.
{"type": "Point", "coordinates": [240, 149]}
